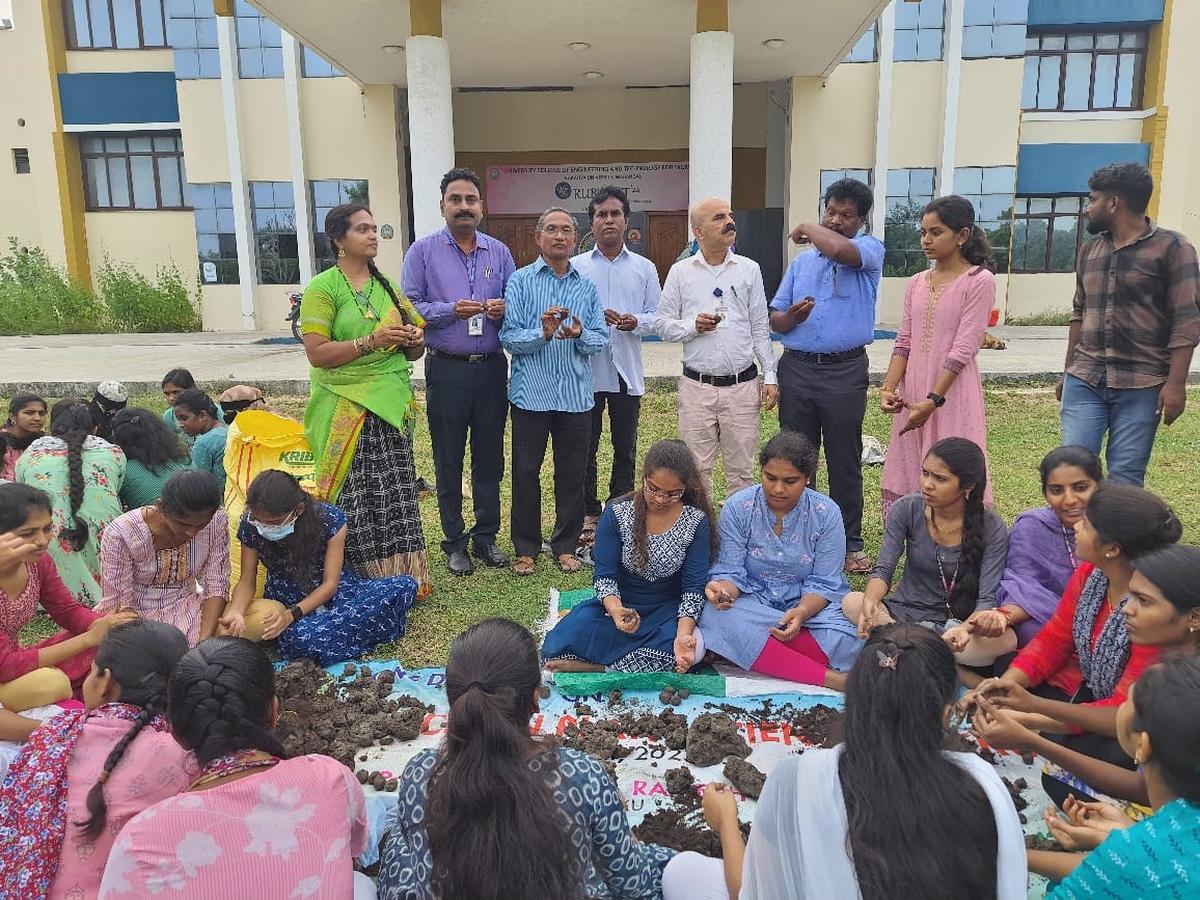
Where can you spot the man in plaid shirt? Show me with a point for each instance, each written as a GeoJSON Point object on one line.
{"type": "Point", "coordinates": [1135, 324]}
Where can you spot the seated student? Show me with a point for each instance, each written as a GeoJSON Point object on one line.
{"type": "Point", "coordinates": [1157, 858]}
{"type": "Point", "coordinates": [652, 552]}
{"type": "Point", "coordinates": [110, 397]}
{"type": "Point", "coordinates": [1041, 542]}
{"type": "Point", "coordinates": [82, 775]}
{"type": "Point", "coordinates": [45, 672]}
{"type": "Point", "coordinates": [153, 453]}
{"type": "Point", "coordinates": [289, 827]}
{"type": "Point", "coordinates": [775, 592]}
{"type": "Point", "coordinates": [494, 813]}
{"type": "Point", "coordinates": [153, 558]}
{"type": "Point", "coordinates": [836, 823]}
{"type": "Point", "coordinates": [237, 399]}
{"type": "Point", "coordinates": [1163, 612]}
{"type": "Point", "coordinates": [1083, 661]}
{"type": "Point", "coordinates": [199, 417]}
{"type": "Point", "coordinates": [26, 419]}
{"type": "Point", "coordinates": [318, 607]}
{"type": "Point", "coordinates": [954, 548]}
{"type": "Point", "coordinates": [175, 383]}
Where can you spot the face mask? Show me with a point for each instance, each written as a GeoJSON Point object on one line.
{"type": "Point", "coordinates": [274, 532]}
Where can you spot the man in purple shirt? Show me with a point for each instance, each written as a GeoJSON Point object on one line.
{"type": "Point", "coordinates": [456, 278]}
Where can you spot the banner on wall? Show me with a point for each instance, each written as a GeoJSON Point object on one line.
{"type": "Point", "coordinates": [525, 190]}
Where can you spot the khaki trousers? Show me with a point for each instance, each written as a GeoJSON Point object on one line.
{"type": "Point", "coordinates": [721, 418]}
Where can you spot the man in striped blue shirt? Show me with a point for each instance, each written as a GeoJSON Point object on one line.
{"type": "Point", "coordinates": [553, 322]}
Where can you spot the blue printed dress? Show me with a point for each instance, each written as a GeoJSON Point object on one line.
{"type": "Point", "coordinates": [774, 571]}
{"type": "Point", "coordinates": [669, 587]}
{"type": "Point", "coordinates": [613, 863]}
{"type": "Point", "coordinates": [361, 615]}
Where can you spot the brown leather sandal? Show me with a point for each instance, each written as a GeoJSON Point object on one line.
{"type": "Point", "coordinates": [568, 563]}
{"type": "Point", "coordinates": [524, 565]}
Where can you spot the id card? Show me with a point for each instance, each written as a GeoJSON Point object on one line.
{"type": "Point", "coordinates": [475, 325]}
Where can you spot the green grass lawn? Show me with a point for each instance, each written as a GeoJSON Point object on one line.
{"type": "Point", "coordinates": [1022, 426]}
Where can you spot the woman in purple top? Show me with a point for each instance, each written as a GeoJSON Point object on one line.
{"type": "Point", "coordinates": [1041, 543]}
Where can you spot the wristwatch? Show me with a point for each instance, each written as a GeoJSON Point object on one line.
{"type": "Point", "coordinates": [297, 613]}
{"type": "Point", "coordinates": [938, 400]}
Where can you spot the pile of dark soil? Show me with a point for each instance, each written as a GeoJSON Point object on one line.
{"type": "Point", "coordinates": [681, 785]}
{"type": "Point", "coordinates": [818, 725]}
{"type": "Point", "coordinates": [712, 737]}
{"type": "Point", "coordinates": [682, 829]}
{"type": "Point", "coordinates": [1043, 842]}
{"type": "Point", "coordinates": [745, 777]}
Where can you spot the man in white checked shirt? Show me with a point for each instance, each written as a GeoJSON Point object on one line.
{"type": "Point", "coordinates": [714, 303]}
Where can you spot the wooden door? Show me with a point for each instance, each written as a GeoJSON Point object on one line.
{"type": "Point", "coordinates": [518, 233]}
{"type": "Point", "coordinates": [666, 235]}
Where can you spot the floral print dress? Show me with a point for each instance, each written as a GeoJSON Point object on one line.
{"type": "Point", "coordinates": [44, 466]}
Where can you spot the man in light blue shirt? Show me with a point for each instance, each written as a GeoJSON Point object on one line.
{"type": "Point", "coordinates": [553, 323]}
{"type": "Point", "coordinates": [629, 292]}
{"type": "Point", "coordinates": [825, 310]}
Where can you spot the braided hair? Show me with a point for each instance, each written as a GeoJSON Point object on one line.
{"type": "Point", "coordinates": [72, 421]}
{"type": "Point", "coordinates": [966, 462]}
{"type": "Point", "coordinates": [674, 457]}
{"type": "Point", "coordinates": [302, 553]}
{"type": "Point", "coordinates": [337, 223]}
{"type": "Point", "coordinates": [140, 655]}
{"type": "Point", "coordinates": [219, 699]}
{"type": "Point", "coordinates": [146, 438]}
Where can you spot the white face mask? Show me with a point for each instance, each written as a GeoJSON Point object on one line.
{"type": "Point", "coordinates": [274, 533]}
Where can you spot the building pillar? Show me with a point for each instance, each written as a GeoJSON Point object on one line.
{"type": "Point", "coordinates": [953, 57]}
{"type": "Point", "coordinates": [240, 190]}
{"type": "Point", "coordinates": [295, 127]}
{"type": "Point", "coordinates": [430, 113]}
{"type": "Point", "coordinates": [883, 121]}
{"type": "Point", "coordinates": [710, 132]}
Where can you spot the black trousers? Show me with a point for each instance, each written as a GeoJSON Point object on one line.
{"type": "Point", "coordinates": [1097, 746]}
{"type": "Point", "coordinates": [570, 433]}
{"type": "Point", "coordinates": [826, 402]}
{"type": "Point", "coordinates": [464, 397]}
{"type": "Point", "coordinates": [623, 410]}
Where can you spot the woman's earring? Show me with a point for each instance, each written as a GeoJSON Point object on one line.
{"type": "Point", "coordinates": [341, 252]}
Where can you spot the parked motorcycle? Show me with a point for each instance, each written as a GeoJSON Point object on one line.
{"type": "Point", "coordinates": [293, 315]}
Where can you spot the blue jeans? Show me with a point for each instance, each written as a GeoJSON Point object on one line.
{"type": "Point", "coordinates": [1128, 415]}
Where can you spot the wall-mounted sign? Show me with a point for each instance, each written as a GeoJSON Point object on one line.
{"type": "Point", "coordinates": [208, 271]}
{"type": "Point", "coordinates": [387, 232]}
{"type": "Point", "coordinates": [531, 189]}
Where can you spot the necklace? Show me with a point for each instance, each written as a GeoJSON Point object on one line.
{"type": "Point", "coordinates": [232, 764]}
{"type": "Point", "coordinates": [1070, 550]}
{"type": "Point", "coordinates": [363, 298]}
{"type": "Point", "coordinates": [947, 586]}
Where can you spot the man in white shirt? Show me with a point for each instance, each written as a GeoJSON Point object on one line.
{"type": "Point", "coordinates": [715, 304]}
{"type": "Point", "coordinates": [629, 291]}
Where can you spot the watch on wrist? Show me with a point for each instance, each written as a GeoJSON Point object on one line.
{"type": "Point", "coordinates": [297, 613]}
{"type": "Point", "coordinates": [938, 400]}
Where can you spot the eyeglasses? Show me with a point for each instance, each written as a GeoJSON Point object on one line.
{"type": "Point", "coordinates": [650, 488]}
{"type": "Point", "coordinates": [555, 230]}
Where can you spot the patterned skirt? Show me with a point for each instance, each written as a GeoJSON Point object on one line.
{"type": "Point", "coordinates": [384, 535]}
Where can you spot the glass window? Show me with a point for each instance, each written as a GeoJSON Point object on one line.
{"type": "Point", "coordinates": [1084, 71]}
{"type": "Point", "coordinates": [259, 41]}
{"type": "Point", "coordinates": [273, 210]}
{"type": "Point", "coordinates": [325, 195]}
{"type": "Point", "coordinates": [134, 172]}
{"type": "Point", "coordinates": [919, 30]}
{"type": "Point", "coordinates": [990, 190]}
{"type": "Point", "coordinates": [994, 28]}
{"type": "Point", "coordinates": [192, 31]}
{"type": "Point", "coordinates": [314, 66]}
{"type": "Point", "coordinates": [867, 47]}
{"type": "Point", "coordinates": [215, 235]}
{"type": "Point", "coordinates": [908, 190]}
{"type": "Point", "coordinates": [109, 24]}
{"type": "Point", "coordinates": [1047, 233]}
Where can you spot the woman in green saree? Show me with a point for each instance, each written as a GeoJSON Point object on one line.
{"type": "Point", "coordinates": [361, 336]}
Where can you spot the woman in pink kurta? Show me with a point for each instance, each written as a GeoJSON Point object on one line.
{"type": "Point", "coordinates": [252, 824]}
{"type": "Point", "coordinates": [153, 558]}
{"type": "Point", "coordinates": [932, 386]}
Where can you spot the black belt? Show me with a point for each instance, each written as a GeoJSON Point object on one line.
{"type": "Point", "coordinates": [722, 380]}
{"type": "Point", "coordinates": [464, 357]}
{"type": "Point", "coordinates": [827, 358]}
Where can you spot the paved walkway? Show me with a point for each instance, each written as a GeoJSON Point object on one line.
{"type": "Point", "coordinates": [66, 364]}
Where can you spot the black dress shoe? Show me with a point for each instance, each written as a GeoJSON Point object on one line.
{"type": "Point", "coordinates": [459, 563]}
{"type": "Point", "coordinates": [490, 556]}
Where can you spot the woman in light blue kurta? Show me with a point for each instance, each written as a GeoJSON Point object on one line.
{"type": "Point", "coordinates": [775, 592]}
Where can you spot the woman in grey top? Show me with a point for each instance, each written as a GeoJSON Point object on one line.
{"type": "Point", "coordinates": [954, 549]}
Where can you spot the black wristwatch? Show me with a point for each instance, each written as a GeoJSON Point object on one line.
{"type": "Point", "coordinates": [297, 613]}
{"type": "Point", "coordinates": [938, 400]}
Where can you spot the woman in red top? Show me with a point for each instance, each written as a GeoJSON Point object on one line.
{"type": "Point", "coordinates": [46, 672]}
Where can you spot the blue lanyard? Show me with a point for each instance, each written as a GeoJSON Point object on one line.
{"type": "Point", "coordinates": [470, 262]}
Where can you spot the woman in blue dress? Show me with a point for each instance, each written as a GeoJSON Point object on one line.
{"type": "Point", "coordinates": [775, 594]}
{"type": "Point", "coordinates": [652, 553]}
{"type": "Point", "coordinates": [317, 608]}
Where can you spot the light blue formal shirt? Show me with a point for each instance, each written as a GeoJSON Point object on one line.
{"type": "Point", "coordinates": [844, 315]}
{"type": "Point", "coordinates": [551, 375]}
{"type": "Point", "coordinates": [629, 285]}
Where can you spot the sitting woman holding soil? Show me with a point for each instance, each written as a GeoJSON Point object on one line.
{"type": "Point", "coordinates": [1084, 660]}
{"type": "Point", "coordinates": [495, 814]}
{"type": "Point", "coordinates": [775, 592]}
{"type": "Point", "coordinates": [1163, 613]}
{"type": "Point", "coordinates": [954, 549]}
{"type": "Point", "coordinates": [48, 671]}
{"type": "Point", "coordinates": [153, 453]}
{"type": "Point", "coordinates": [290, 827]}
{"type": "Point", "coordinates": [153, 558]}
{"type": "Point", "coordinates": [84, 774]}
{"type": "Point", "coordinates": [1155, 858]}
{"type": "Point", "coordinates": [652, 552]}
{"type": "Point", "coordinates": [1041, 542]}
{"type": "Point", "coordinates": [829, 822]}
{"type": "Point", "coordinates": [319, 607]}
